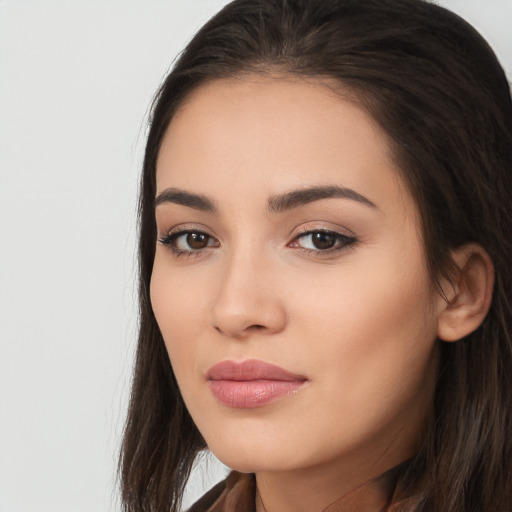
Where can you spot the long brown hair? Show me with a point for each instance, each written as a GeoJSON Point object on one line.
{"type": "Point", "coordinates": [436, 88]}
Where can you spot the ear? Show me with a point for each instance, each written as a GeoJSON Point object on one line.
{"type": "Point", "coordinates": [469, 293]}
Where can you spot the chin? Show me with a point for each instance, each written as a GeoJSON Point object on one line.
{"type": "Point", "coordinates": [252, 462]}
{"type": "Point", "coordinates": [253, 455]}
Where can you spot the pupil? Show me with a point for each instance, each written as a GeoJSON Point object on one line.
{"type": "Point", "coordinates": [323, 240]}
{"type": "Point", "coordinates": [197, 240]}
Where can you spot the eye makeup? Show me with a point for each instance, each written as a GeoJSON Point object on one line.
{"type": "Point", "coordinates": [312, 241]}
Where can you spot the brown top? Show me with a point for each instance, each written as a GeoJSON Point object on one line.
{"type": "Point", "coordinates": [237, 493]}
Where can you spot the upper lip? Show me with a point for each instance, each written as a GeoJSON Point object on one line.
{"type": "Point", "coordinates": [252, 369]}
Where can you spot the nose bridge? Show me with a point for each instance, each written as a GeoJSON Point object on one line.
{"type": "Point", "coordinates": [247, 298]}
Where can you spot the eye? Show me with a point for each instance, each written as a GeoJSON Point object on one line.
{"type": "Point", "coordinates": [187, 242]}
{"type": "Point", "coordinates": [323, 241]}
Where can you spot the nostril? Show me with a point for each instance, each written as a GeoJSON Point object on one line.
{"type": "Point", "coordinates": [255, 328]}
{"type": "Point", "coordinates": [242, 320]}
{"type": "Point", "coordinates": [242, 333]}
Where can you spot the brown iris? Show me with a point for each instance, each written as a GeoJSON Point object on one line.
{"type": "Point", "coordinates": [323, 241]}
{"type": "Point", "coordinates": [197, 240]}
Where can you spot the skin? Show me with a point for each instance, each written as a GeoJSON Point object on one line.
{"type": "Point", "coordinates": [359, 323]}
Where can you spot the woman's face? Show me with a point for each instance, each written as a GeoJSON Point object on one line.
{"type": "Point", "coordinates": [290, 281]}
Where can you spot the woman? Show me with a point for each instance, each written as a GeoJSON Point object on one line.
{"type": "Point", "coordinates": [325, 283]}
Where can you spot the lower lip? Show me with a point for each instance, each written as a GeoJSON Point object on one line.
{"type": "Point", "coordinates": [249, 394]}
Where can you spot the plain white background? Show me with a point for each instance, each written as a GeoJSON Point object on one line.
{"type": "Point", "coordinates": [76, 81]}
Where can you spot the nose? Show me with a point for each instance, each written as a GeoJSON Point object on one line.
{"type": "Point", "coordinates": [248, 300]}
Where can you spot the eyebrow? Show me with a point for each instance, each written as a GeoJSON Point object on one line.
{"type": "Point", "coordinates": [177, 196]}
{"type": "Point", "coordinates": [276, 204]}
{"type": "Point", "coordinates": [301, 197]}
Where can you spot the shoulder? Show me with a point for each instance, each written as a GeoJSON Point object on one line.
{"type": "Point", "coordinates": [236, 492]}
{"type": "Point", "coordinates": [208, 499]}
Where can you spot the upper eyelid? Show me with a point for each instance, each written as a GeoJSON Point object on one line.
{"type": "Point", "coordinates": [341, 236]}
{"type": "Point", "coordinates": [185, 228]}
{"type": "Point", "coordinates": [302, 230]}
{"type": "Point", "coordinates": [308, 228]}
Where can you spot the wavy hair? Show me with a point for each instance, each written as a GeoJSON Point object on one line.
{"type": "Point", "coordinates": [436, 88]}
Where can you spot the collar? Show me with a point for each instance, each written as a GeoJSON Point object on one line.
{"type": "Point", "coordinates": [237, 493]}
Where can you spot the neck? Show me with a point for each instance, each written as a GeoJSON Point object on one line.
{"type": "Point", "coordinates": [355, 475]}
{"type": "Point", "coordinates": [324, 489]}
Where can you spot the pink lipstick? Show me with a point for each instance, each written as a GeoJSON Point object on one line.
{"type": "Point", "coordinates": [251, 383]}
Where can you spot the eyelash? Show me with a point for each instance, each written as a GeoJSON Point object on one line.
{"type": "Point", "coordinates": [342, 242]}
{"type": "Point", "coordinates": [170, 240]}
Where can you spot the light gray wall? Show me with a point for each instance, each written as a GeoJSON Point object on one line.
{"type": "Point", "coordinates": [76, 79]}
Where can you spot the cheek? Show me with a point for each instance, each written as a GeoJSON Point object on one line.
{"type": "Point", "coordinates": [375, 325]}
{"type": "Point", "coordinates": [369, 345]}
{"type": "Point", "coordinates": [179, 306]}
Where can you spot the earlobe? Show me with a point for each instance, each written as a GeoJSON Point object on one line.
{"type": "Point", "coordinates": [470, 293]}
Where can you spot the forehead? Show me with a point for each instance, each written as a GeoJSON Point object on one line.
{"type": "Point", "coordinates": [275, 132]}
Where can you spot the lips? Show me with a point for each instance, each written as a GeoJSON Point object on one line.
{"type": "Point", "coordinates": [251, 383]}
